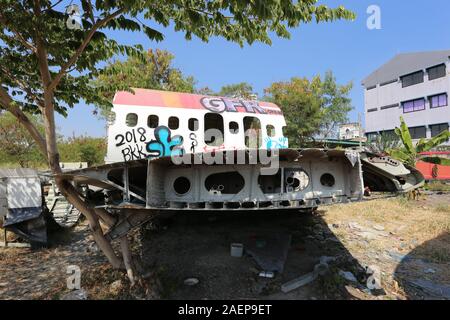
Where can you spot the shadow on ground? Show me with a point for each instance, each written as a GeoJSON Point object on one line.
{"type": "Point", "coordinates": [424, 273]}
{"type": "Point", "coordinates": [198, 245]}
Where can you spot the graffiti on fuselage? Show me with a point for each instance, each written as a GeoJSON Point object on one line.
{"type": "Point", "coordinates": [220, 105]}
{"type": "Point", "coordinates": [194, 141]}
{"type": "Point", "coordinates": [280, 143]}
{"type": "Point", "coordinates": [164, 145]}
{"type": "Point", "coordinates": [131, 144]}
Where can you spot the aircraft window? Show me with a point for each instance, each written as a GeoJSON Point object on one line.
{"type": "Point", "coordinates": [193, 124]}
{"type": "Point", "coordinates": [270, 129]}
{"type": "Point", "coordinates": [152, 121]}
{"type": "Point", "coordinates": [234, 127]}
{"type": "Point", "coordinates": [213, 129]}
{"type": "Point", "coordinates": [132, 119]}
{"type": "Point", "coordinates": [174, 123]}
{"type": "Point", "coordinates": [252, 131]}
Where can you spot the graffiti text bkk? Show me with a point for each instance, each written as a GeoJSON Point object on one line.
{"type": "Point", "coordinates": [137, 143]}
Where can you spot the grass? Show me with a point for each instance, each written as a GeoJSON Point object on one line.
{"type": "Point", "coordinates": [423, 223]}
{"type": "Point", "coordinates": [437, 186]}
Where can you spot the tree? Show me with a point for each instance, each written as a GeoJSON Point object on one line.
{"type": "Point", "coordinates": [241, 90]}
{"type": "Point", "coordinates": [301, 107]}
{"type": "Point", "coordinates": [410, 153]}
{"type": "Point", "coordinates": [154, 72]}
{"type": "Point", "coordinates": [46, 67]}
{"type": "Point", "coordinates": [83, 149]}
{"type": "Point", "coordinates": [311, 107]}
{"type": "Point", "coordinates": [17, 146]}
{"type": "Point", "coordinates": [335, 105]}
{"type": "Point", "coordinates": [384, 142]}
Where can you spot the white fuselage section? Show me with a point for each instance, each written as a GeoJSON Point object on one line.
{"type": "Point", "coordinates": [137, 130]}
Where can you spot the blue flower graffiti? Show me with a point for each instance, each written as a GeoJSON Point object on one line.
{"type": "Point", "coordinates": [164, 145]}
{"type": "Point", "coordinates": [280, 143]}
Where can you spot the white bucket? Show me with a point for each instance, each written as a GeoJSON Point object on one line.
{"type": "Point", "coordinates": [237, 250]}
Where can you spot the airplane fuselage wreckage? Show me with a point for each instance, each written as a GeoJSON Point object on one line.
{"type": "Point", "coordinates": [171, 151]}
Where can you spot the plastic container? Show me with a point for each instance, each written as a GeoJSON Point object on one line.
{"type": "Point", "coordinates": [237, 250]}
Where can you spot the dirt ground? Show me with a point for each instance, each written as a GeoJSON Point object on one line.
{"type": "Point", "coordinates": [408, 241]}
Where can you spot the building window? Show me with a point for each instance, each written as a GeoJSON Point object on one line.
{"type": "Point", "coordinates": [174, 123]}
{"type": "Point", "coordinates": [418, 132]}
{"type": "Point", "coordinates": [412, 79]}
{"type": "Point", "coordinates": [371, 87]}
{"type": "Point", "coordinates": [131, 120]}
{"type": "Point", "coordinates": [437, 72]}
{"type": "Point", "coordinates": [233, 127]}
{"type": "Point", "coordinates": [371, 136]}
{"type": "Point", "coordinates": [213, 129]}
{"type": "Point", "coordinates": [193, 124]}
{"type": "Point", "coordinates": [372, 110]}
{"type": "Point", "coordinates": [390, 134]}
{"type": "Point", "coordinates": [388, 82]}
{"type": "Point", "coordinates": [152, 121]}
{"type": "Point", "coordinates": [389, 106]}
{"type": "Point", "coordinates": [413, 105]}
{"type": "Point", "coordinates": [439, 100]}
{"type": "Point", "coordinates": [438, 128]}
{"type": "Point", "coordinates": [270, 130]}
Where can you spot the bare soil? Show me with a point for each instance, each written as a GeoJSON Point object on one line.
{"type": "Point", "coordinates": [407, 240]}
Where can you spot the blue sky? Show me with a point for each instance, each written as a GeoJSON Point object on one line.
{"type": "Point", "coordinates": [349, 49]}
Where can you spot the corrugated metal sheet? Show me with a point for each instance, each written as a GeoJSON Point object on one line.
{"type": "Point", "coordinates": [18, 172]}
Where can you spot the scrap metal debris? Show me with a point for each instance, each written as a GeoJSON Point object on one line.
{"type": "Point", "coordinates": [269, 251]}
{"type": "Point", "coordinates": [319, 269]}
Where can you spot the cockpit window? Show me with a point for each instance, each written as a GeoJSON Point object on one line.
{"type": "Point", "coordinates": [174, 123]}
{"type": "Point", "coordinates": [213, 129]}
{"type": "Point", "coordinates": [132, 119]}
{"type": "Point", "coordinates": [152, 121]}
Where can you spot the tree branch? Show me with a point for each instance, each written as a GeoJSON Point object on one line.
{"type": "Point", "coordinates": [21, 85]}
{"type": "Point", "coordinates": [81, 48]}
{"type": "Point", "coordinates": [8, 104]}
{"type": "Point", "coordinates": [17, 35]}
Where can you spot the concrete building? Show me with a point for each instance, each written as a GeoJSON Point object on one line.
{"type": "Point", "coordinates": [412, 85]}
{"type": "Point", "coordinates": [351, 131]}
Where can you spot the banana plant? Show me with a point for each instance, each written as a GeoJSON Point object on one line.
{"type": "Point", "coordinates": [410, 153]}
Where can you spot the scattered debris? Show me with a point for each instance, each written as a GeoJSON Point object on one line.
{"type": "Point", "coordinates": [237, 250]}
{"type": "Point", "coordinates": [354, 226]}
{"type": "Point", "coordinates": [436, 289]}
{"type": "Point", "coordinates": [430, 270]}
{"type": "Point", "coordinates": [75, 295]}
{"type": "Point", "coordinates": [191, 281]}
{"type": "Point", "coordinates": [272, 255]}
{"type": "Point", "coordinates": [319, 269]}
{"type": "Point", "coordinates": [348, 276]}
{"type": "Point", "coordinates": [378, 227]}
{"type": "Point", "coordinates": [266, 274]}
{"type": "Point", "coordinates": [398, 257]}
{"type": "Point", "coordinates": [116, 287]}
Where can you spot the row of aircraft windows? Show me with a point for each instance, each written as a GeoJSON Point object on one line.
{"type": "Point", "coordinates": [212, 121]}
